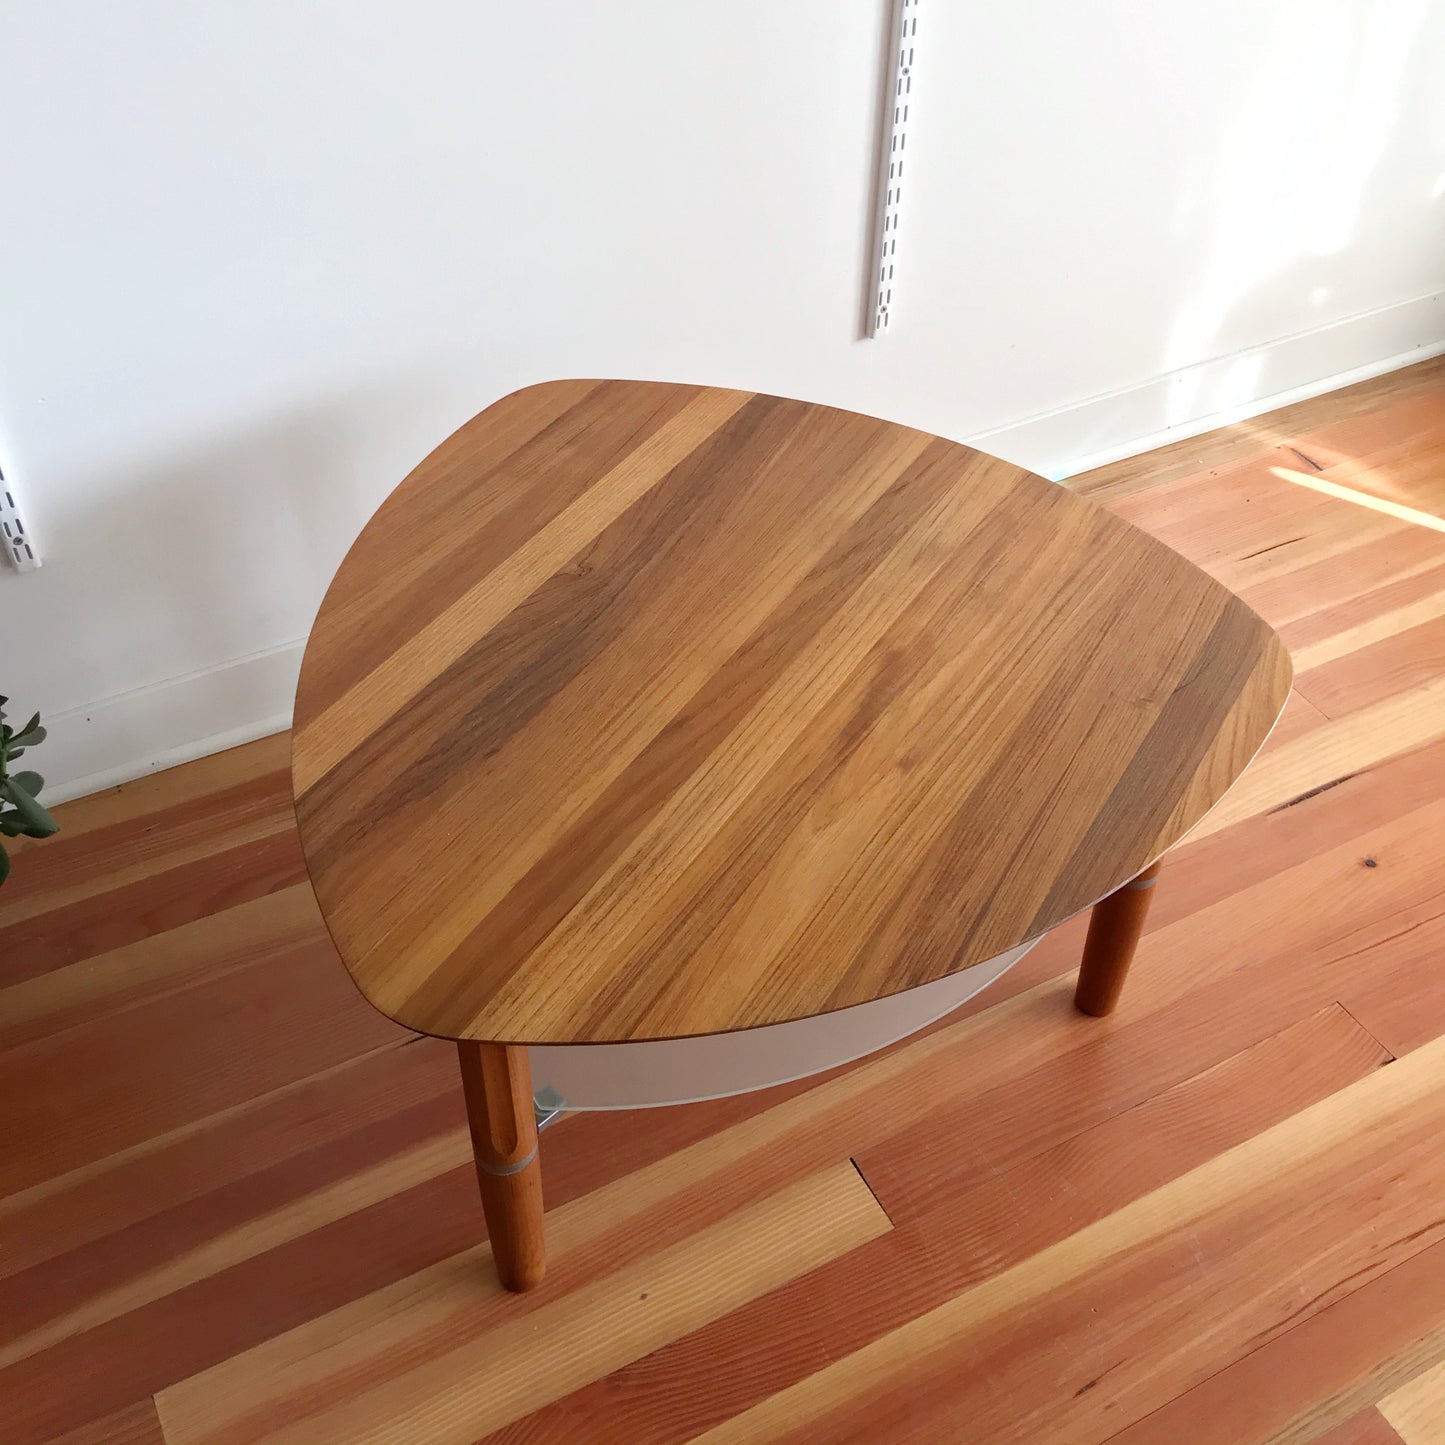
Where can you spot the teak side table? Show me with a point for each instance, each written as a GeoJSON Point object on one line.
{"type": "Point", "coordinates": [642, 711]}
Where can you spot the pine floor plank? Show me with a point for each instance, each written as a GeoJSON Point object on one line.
{"type": "Point", "coordinates": [1369, 1427]}
{"type": "Point", "coordinates": [1402, 1002]}
{"type": "Point", "coordinates": [184, 1055]}
{"type": "Point", "coordinates": [1392, 455]}
{"type": "Point", "coordinates": [955, 1238]}
{"type": "Point", "coordinates": [107, 987]}
{"type": "Point", "coordinates": [158, 793]}
{"type": "Point", "coordinates": [1319, 1374]}
{"type": "Point", "coordinates": [121, 1231]}
{"type": "Point", "coordinates": [102, 846]}
{"type": "Point", "coordinates": [1325, 754]}
{"type": "Point", "coordinates": [1332, 827]}
{"type": "Point", "coordinates": [1130, 1311]}
{"type": "Point", "coordinates": [1324, 586]}
{"type": "Point", "coordinates": [134, 1267]}
{"type": "Point", "coordinates": [1251, 526]}
{"type": "Point", "coordinates": [1380, 670]}
{"type": "Point", "coordinates": [1330, 420]}
{"type": "Point", "coordinates": [1210, 869]}
{"type": "Point", "coordinates": [1416, 1410]}
{"type": "Point", "coordinates": [914, 1176]}
{"type": "Point", "coordinates": [1288, 941]}
{"type": "Point", "coordinates": [151, 856]}
{"type": "Point", "coordinates": [190, 887]}
{"type": "Point", "coordinates": [136, 1424]}
{"type": "Point", "coordinates": [459, 1384]}
{"type": "Point", "coordinates": [230, 1311]}
{"type": "Point", "coordinates": [1366, 617]}
{"type": "Point", "coordinates": [167, 1172]}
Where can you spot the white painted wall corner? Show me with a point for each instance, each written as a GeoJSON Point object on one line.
{"type": "Point", "coordinates": [120, 738]}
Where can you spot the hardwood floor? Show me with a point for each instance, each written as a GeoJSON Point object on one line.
{"type": "Point", "coordinates": [239, 1205]}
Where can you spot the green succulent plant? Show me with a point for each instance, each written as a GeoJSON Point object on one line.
{"type": "Point", "coordinates": [20, 814]}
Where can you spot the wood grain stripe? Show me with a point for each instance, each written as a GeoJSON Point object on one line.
{"type": "Point", "coordinates": [1211, 689]}
{"type": "Point", "coordinates": [468, 507]}
{"type": "Point", "coordinates": [532, 787]}
{"type": "Point", "coordinates": [464, 713]}
{"type": "Point", "coordinates": [810, 681]}
{"type": "Point", "coordinates": [383, 692]}
{"type": "Point", "coordinates": [728, 886]}
{"type": "Point", "coordinates": [763, 665]}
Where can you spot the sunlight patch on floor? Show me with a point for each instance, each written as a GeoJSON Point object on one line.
{"type": "Point", "coordinates": [1361, 499]}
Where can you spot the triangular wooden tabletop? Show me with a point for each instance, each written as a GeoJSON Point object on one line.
{"type": "Point", "coordinates": [640, 711]}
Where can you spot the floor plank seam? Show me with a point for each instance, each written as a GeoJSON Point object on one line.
{"type": "Point", "coordinates": [857, 1169]}
{"type": "Point", "coordinates": [1392, 1056]}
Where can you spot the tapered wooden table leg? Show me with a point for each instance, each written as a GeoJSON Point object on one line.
{"type": "Point", "coordinates": [1114, 929]}
{"type": "Point", "coordinates": [497, 1082]}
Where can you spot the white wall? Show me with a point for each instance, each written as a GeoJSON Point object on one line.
{"type": "Point", "coordinates": [257, 259]}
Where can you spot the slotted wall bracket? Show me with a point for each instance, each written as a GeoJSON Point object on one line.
{"type": "Point", "coordinates": [15, 537]}
{"type": "Point", "coordinates": [898, 102]}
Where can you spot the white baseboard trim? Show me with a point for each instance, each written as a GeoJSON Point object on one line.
{"type": "Point", "coordinates": [124, 737]}
{"type": "Point", "coordinates": [1196, 399]}
{"type": "Point", "coordinates": [120, 738]}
